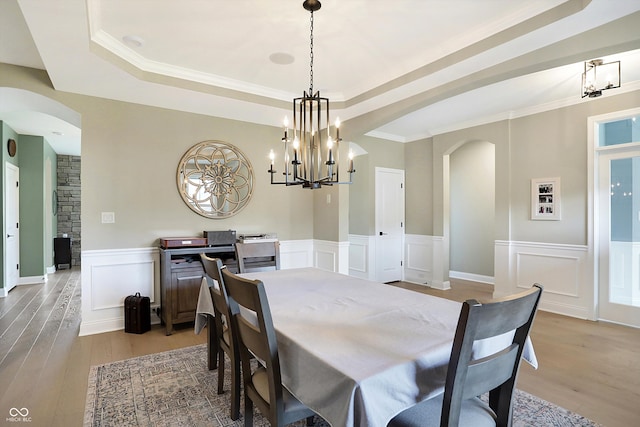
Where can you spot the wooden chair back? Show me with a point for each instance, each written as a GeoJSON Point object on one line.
{"type": "Point", "coordinates": [252, 321]}
{"type": "Point", "coordinates": [470, 375]}
{"type": "Point", "coordinates": [495, 373]}
{"type": "Point", "coordinates": [225, 340]}
{"type": "Point", "coordinates": [258, 256]}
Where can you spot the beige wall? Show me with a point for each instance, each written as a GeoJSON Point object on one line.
{"type": "Point", "coordinates": [472, 201]}
{"type": "Point", "coordinates": [130, 154]}
{"type": "Point", "coordinates": [548, 144]}
{"type": "Point", "coordinates": [380, 153]}
{"type": "Point", "coordinates": [419, 187]}
{"type": "Point", "coordinates": [129, 158]}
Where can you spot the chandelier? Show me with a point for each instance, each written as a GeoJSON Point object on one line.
{"type": "Point", "coordinates": [598, 76]}
{"type": "Point", "coordinates": [311, 155]}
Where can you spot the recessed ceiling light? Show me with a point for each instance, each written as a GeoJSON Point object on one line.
{"type": "Point", "coordinates": [133, 41]}
{"type": "Point", "coordinates": [57, 132]}
{"type": "Point", "coordinates": [281, 58]}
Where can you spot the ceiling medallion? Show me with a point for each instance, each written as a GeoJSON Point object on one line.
{"type": "Point", "coordinates": [215, 179]}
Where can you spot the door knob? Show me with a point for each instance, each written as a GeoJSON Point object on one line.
{"type": "Point", "coordinates": [10, 235]}
{"type": "Point", "coordinates": [383, 234]}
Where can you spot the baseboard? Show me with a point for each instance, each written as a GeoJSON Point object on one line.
{"type": "Point", "coordinates": [32, 280]}
{"type": "Point", "coordinates": [472, 277]}
{"type": "Point", "coordinates": [114, 324]}
{"type": "Point", "coordinates": [101, 326]}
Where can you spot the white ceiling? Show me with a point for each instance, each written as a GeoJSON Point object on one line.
{"type": "Point", "coordinates": [403, 72]}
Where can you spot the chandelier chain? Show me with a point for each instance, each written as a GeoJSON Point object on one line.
{"type": "Point", "coordinates": [311, 57]}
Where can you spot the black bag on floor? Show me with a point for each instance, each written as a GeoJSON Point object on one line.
{"type": "Point", "coordinates": [137, 314]}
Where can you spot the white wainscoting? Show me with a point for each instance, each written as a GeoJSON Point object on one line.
{"type": "Point", "coordinates": [362, 250]}
{"type": "Point", "coordinates": [423, 262]}
{"type": "Point", "coordinates": [108, 276]}
{"type": "Point", "coordinates": [332, 256]}
{"type": "Point", "coordinates": [418, 262]}
{"type": "Point", "coordinates": [296, 254]}
{"type": "Point", "coordinates": [561, 269]}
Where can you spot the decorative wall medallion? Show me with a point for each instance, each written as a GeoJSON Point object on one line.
{"type": "Point", "coordinates": [215, 179]}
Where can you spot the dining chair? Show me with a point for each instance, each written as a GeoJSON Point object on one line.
{"type": "Point", "coordinates": [251, 321]}
{"type": "Point", "coordinates": [258, 256]}
{"type": "Point", "coordinates": [469, 377]}
{"type": "Point", "coordinates": [225, 341]}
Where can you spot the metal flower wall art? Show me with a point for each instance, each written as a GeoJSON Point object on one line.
{"type": "Point", "coordinates": [215, 179]}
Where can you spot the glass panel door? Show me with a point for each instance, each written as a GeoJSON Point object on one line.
{"type": "Point", "coordinates": [619, 229]}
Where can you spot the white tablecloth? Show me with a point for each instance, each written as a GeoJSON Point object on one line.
{"type": "Point", "coordinates": [356, 351]}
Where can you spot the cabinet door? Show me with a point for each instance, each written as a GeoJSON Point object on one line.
{"type": "Point", "coordinates": [185, 290]}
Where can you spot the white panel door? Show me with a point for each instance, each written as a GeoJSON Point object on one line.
{"type": "Point", "coordinates": [12, 238]}
{"type": "Point", "coordinates": [619, 230]}
{"type": "Point", "coordinates": [389, 224]}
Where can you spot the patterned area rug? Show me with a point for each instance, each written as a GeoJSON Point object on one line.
{"type": "Point", "coordinates": [175, 388]}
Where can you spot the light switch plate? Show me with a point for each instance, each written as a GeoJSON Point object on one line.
{"type": "Point", "coordinates": [108, 217]}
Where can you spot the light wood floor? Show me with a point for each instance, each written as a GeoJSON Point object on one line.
{"type": "Point", "coordinates": [588, 367]}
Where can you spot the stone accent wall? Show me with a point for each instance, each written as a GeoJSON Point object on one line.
{"type": "Point", "coordinates": [69, 203]}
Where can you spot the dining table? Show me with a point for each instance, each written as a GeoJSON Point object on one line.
{"type": "Point", "coordinates": [357, 351]}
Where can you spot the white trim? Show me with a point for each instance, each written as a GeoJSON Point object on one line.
{"type": "Point", "coordinates": [32, 280]}
{"type": "Point", "coordinates": [362, 251]}
{"type": "Point", "coordinates": [332, 256]}
{"type": "Point", "coordinates": [561, 269]}
{"type": "Point", "coordinates": [296, 253]}
{"type": "Point", "coordinates": [472, 277]}
{"type": "Point", "coordinates": [107, 277]}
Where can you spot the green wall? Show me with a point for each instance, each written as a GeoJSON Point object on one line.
{"type": "Point", "coordinates": [37, 228]}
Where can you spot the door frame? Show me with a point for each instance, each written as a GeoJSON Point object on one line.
{"type": "Point", "coordinates": [621, 313]}
{"type": "Point", "coordinates": [5, 227]}
{"type": "Point", "coordinates": [379, 239]}
{"type": "Point", "coordinates": [593, 215]}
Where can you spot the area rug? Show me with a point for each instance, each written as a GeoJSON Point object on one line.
{"type": "Point", "coordinates": [175, 388]}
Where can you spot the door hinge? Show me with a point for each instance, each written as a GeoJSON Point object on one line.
{"type": "Point", "coordinates": [17, 266]}
{"type": "Point", "coordinates": [400, 263]}
{"type": "Point", "coordinates": [401, 224]}
{"type": "Point", "coordinates": [17, 184]}
{"type": "Point", "coordinates": [401, 185]}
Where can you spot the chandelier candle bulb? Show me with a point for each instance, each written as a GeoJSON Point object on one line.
{"type": "Point", "coordinates": [351, 170]}
{"type": "Point", "coordinates": [330, 146]}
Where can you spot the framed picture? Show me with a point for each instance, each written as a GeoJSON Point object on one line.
{"type": "Point", "coordinates": [545, 199]}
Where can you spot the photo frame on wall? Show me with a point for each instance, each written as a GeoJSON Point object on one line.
{"type": "Point", "coordinates": [545, 199]}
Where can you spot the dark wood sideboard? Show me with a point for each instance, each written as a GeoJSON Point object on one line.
{"type": "Point", "coordinates": [181, 274]}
